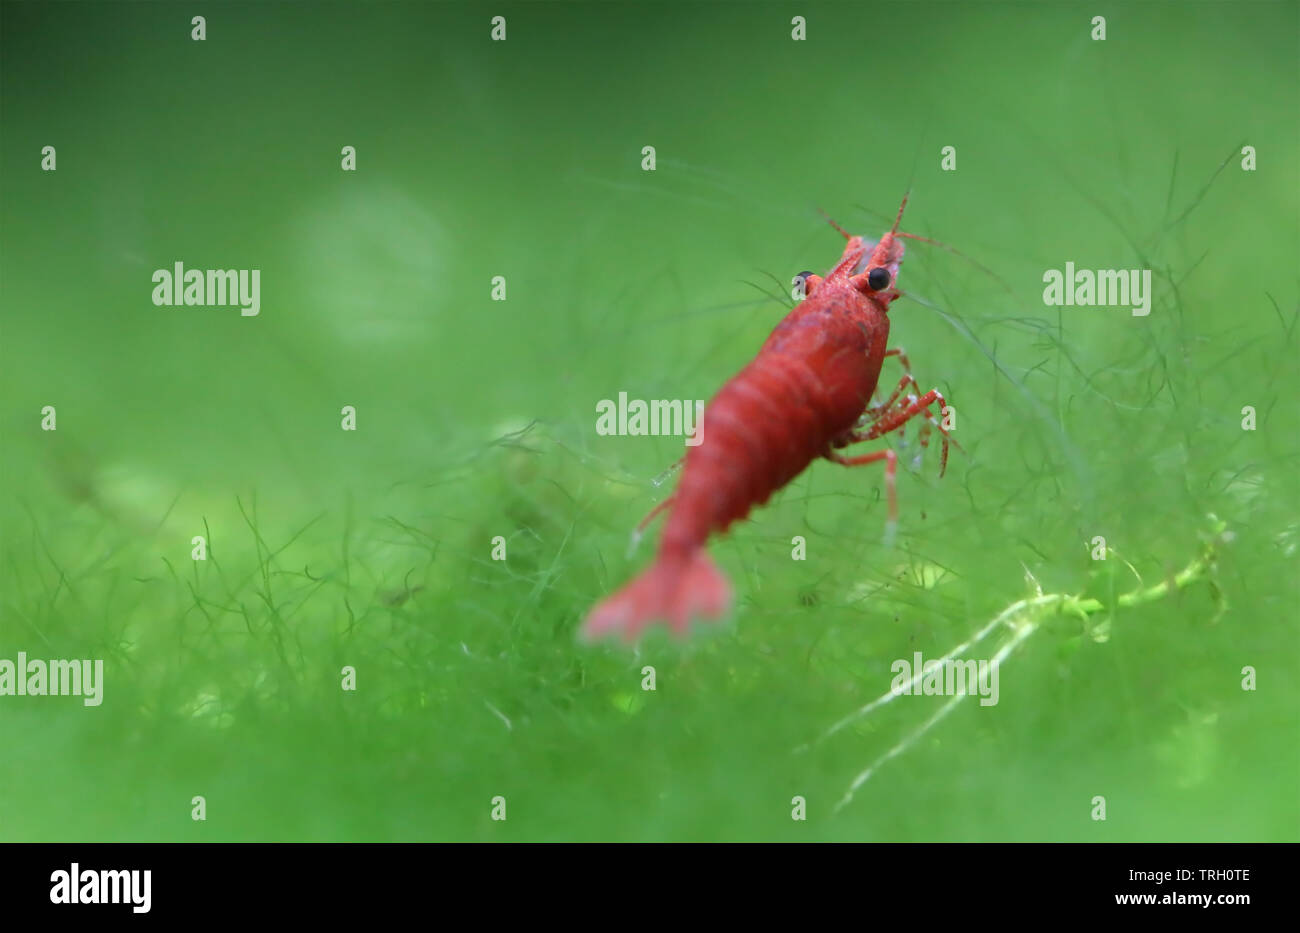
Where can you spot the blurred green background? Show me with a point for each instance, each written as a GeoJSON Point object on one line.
{"type": "Point", "coordinates": [476, 418]}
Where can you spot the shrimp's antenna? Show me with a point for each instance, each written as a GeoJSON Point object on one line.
{"type": "Point", "coordinates": [897, 220]}
{"type": "Point", "coordinates": [956, 252]}
{"type": "Point", "coordinates": [944, 246]}
{"type": "Point", "coordinates": [827, 216]}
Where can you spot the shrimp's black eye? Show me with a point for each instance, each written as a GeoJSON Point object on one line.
{"type": "Point", "coordinates": [878, 279]}
{"type": "Point", "coordinates": [801, 278]}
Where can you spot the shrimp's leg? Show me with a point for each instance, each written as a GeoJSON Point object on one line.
{"type": "Point", "coordinates": [907, 377]}
{"type": "Point", "coordinates": [892, 404]}
{"type": "Point", "coordinates": [874, 411]}
{"type": "Point", "coordinates": [891, 481]}
{"type": "Point", "coordinates": [666, 474]}
{"type": "Point", "coordinates": [653, 512]}
{"type": "Point", "coordinates": [906, 380]}
{"type": "Point", "coordinates": [658, 481]}
{"type": "Point", "coordinates": [902, 358]}
{"type": "Point", "coordinates": [889, 419]}
{"type": "Point", "coordinates": [641, 527]}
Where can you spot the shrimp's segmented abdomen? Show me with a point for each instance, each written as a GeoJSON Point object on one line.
{"type": "Point", "coordinates": [762, 430]}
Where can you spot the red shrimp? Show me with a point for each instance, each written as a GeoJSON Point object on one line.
{"type": "Point", "coordinates": [804, 396]}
